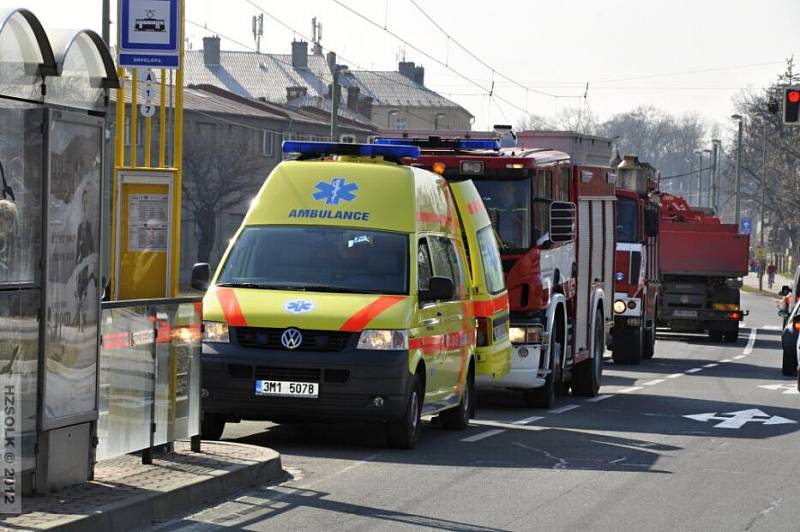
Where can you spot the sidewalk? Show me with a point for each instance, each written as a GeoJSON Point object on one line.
{"type": "Point", "coordinates": [751, 281]}
{"type": "Point", "coordinates": [127, 495]}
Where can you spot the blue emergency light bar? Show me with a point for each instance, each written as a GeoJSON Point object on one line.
{"type": "Point", "coordinates": [438, 142]}
{"type": "Point", "coordinates": [399, 151]}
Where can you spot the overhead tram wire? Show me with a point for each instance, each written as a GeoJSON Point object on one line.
{"type": "Point", "coordinates": [431, 57]}
{"type": "Point", "coordinates": [484, 63]}
{"type": "Point", "coordinates": [393, 81]}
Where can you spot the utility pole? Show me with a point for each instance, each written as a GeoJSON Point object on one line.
{"type": "Point", "coordinates": [700, 178]}
{"type": "Point", "coordinates": [738, 170]}
{"type": "Point", "coordinates": [106, 24]}
{"type": "Point", "coordinates": [763, 193]}
{"type": "Point", "coordinates": [713, 201]}
{"type": "Point", "coordinates": [335, 92]}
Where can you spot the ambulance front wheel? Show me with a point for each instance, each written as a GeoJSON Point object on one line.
{"type": "Point", "coordinates": [403, 433]}
{"type": "Point", "coordinates": [212, 426]}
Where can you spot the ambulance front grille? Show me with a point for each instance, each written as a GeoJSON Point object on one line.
{"type": "Point", "coordinates": [270, 338]}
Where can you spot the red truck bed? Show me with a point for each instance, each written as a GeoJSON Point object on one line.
{"type": "Point", "coordinates": [693, 242]}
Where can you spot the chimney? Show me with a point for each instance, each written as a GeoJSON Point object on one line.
{"type": "Point", "coordinates": [352, 98]}
{"type": "Point", "coordinates": [419, 75]}
{"type": "Point", "coordinates": [211, 51]}
{"type": "Point", "coordinates": [331, 60]}
{"type": "Point", "coordinates": [365, 106]}
{"type": "Point", "coordinates": [299, 54]}
{"type": "Point", "coordinates": [295, 92]}
{"type": "Point", "coordinates": [406, 68]}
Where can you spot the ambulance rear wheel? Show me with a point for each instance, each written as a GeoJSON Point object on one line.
{"type": "Point", "coordinates": [627, 345]}
{"type": "Point", "coordinates": [403, 433]}
{"type": "Point", "coordinates": [458, 418]}
{"type": "Point", "coordinates": [212, 426]}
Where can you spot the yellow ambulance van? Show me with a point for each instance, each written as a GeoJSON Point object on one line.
{"type": "Point", "coordinates": [349, 293]}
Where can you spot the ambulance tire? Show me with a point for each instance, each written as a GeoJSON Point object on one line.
{"type": "Point", "coordinates": [403, 433]}
{"type": "Point", "coordinates": [628, 345]}
{"type": "Point", "coordinates": [588, 374]}
{"type": "Point", "coordinates": [212, 426]}
{"type": "Point", "coordinates": [545, 396]}
{"type": "Point", "coordinates": [458, 418]}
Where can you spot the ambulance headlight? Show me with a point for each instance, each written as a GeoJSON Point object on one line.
{"type": "Point", "coordinates": [383, 340]}
{"type": "Point", "coordinates": [214, 331]}
{"type": "Point", "coordinates": [619, 306]}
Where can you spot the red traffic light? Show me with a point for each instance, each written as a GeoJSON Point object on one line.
{"type": "Point", "coordinates": [793, 96]}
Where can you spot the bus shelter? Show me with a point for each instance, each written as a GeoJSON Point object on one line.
{"type": "Point", "coordinates": [74, 404]}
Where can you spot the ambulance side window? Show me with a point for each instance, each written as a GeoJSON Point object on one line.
{"type": "Point", "coordinates": [424, 269]}
{"type": "Point", "coordinates": [446, 263]}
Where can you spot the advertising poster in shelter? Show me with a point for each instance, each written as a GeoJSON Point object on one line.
{"type": "Point", "coordinates": [74, 281]}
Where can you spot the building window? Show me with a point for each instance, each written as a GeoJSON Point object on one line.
{"type": "Point", "coordinates": [347, 138]}
{"type": "Point", "coordinates": [396, 121]}
{"type": "Point", "coordinates": [440, 121]}
{"type": "Point", "coordinates": [268, 144]}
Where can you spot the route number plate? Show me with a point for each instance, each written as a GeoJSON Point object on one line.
{"type": "Point", "coordinates": [307, 390]}
{"type": "Point", "coordinates": [684, 313]}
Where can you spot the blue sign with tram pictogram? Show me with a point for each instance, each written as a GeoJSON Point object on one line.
{"type": "Point", "coordinates": [149, 33]}
{"type": "Point", "coordinates": [746, 226]}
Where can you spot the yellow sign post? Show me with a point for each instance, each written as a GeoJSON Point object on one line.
{"type": "Point", "coordinates": [146, 211]}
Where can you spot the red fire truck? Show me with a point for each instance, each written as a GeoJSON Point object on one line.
{"type": "Point", "coordinates": [551, 202]}
{"type": "Point", "coordinates": [636, 272]}
{"type": "Point", "coordinates": [702, 262]}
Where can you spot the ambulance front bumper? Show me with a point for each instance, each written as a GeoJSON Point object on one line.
{"type": "Point", "coordinates": [349, 382]}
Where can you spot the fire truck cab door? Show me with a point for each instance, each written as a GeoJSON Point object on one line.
{"type": "Point", "coordinates": [488, 288]}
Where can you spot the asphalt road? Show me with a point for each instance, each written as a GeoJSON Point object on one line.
{"type": "Point", "coordinates": [629, 459]}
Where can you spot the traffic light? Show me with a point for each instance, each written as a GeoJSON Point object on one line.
{"type": "Point", "coordinates": [791, 105]}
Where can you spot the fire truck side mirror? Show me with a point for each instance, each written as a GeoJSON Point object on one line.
{"type": "Point", "coordinates": [562, 221]}
{"type": "Point", "coordinates": [651, 223]}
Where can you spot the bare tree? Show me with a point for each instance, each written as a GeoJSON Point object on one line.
{"type": "Point", "coordinates": [223, 170]}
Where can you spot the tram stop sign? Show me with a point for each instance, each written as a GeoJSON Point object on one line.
{"type": "Point", "coordinates": [761, 253]}
{"type": "Point", "coordinates": [746, 226]}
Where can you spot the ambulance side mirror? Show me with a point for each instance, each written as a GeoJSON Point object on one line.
{"type": "Point", "coordinates": [439, 289]}
{"type": "Point", "coordinates": [562, 221]}
{"type": "Point", "coordinates": [651, 223]}
{"type": "Point", "coordinates": [201, 276]}
{"type": "Point", "coordinates": [785, 290]}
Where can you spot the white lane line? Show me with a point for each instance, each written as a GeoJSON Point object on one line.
{"type": "Point", "coordinates": [711, 365]}
{"type": "Point", "coordinates": [772, 328]}
{"type": "Point", "coordinates": [739, 357]}
{"type": "Point", "coordinates": [483, 435]}
{"type": "Point", "coordinates": [629, 390]}
{"type": "Point", "coordinates": [725, 360]}
{"type": "Point", "coordinates": [527, 420]}
{"type": "Point", "coordinates": [675, 375]}
{"type": "Point", "coordinates": [694, 370]}
{"type": "Point", "coordinates": [653, 382]}
{"type": "Point", "coordinates": [751, 342]}
{"type": "Point", "coordinates": [599, 398]}
{"type": "Point", "coordinates": [561, 410]}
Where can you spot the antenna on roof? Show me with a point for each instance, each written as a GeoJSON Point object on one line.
{"type": "Point", "coordinates": [258, 30]}
{"type": "Point", "coordinates": [316, 36]}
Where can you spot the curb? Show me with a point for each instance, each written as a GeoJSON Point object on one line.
{"type": "Point", "coordinates": [152, 509]}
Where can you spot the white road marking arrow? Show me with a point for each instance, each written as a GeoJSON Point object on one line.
{"type": "Point", "coordinates": [736, 420]}
{"type": "Point", "coordinates": [787, 389]}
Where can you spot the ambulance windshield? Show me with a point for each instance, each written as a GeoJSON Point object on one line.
{"type": "Point", "coordinates": [509, 206]}
{"type": "Point", "coordinates": [320, 259]}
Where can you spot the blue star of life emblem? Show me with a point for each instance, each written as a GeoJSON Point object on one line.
{"type": "Point", "coordinates": [335, 191]}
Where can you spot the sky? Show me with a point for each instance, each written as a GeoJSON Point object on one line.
{"type": "Point", "coordinates": [526, 56]}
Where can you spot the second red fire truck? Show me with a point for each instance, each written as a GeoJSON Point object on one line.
{"type": "Point", "coordinates": [551, 201]}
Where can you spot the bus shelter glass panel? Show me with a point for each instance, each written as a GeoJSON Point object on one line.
{"type": "Point", "coordinates": [20, 58]}
{"type": "Point", "coordinates": [80, 84]}
{"type": "Point", "coordinates": [127, 372]}
{"type": "Point", "coordinates": [19, 350]}
{"type": "Point", "coordinates": [73, 281]}
{"type": "Point", "coordinates": [21, 156]}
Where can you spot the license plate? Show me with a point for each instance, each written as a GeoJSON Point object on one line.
{"type": "Point", "coordinates": [307, 390]}
{"type": "Point", "coordinates": [684, 313]}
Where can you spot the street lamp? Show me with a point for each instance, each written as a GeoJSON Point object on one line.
{"type": "Point", "coordinates": [714, 200]}
{"type": "Point", "coordinates": [738, 168]}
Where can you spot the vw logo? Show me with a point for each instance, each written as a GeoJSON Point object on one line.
{"type": "Point", "coordinates": [291, 338]}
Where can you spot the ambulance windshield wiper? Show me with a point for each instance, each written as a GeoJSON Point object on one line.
{"type": "Point", "coordinates": [303, 287]}
{"type": "Point", "coordinates": [245, 285]}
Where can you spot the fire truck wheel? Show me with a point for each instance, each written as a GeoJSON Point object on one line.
{"type": "Point", "coordinates": [649, 343]}
{"type": "Point", "coordinates": [627, 345]}
{"type": "Point", "coordinates": [545, 396]}
{"type": "Point", "coordinates": [587, 375]}
{"type": "Point", "coordinates": [789, 366]}
{"type": "Point", "coordinates": [212, 426]}
{"type": "Point", "coordinates": [403, 433]}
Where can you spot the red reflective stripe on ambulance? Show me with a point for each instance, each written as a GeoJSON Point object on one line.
{"type": "Point", "coordinates": [430, 345]}
{"type": "Point", "coordinates": [230, 307]}
{"type": "Point", "coordinates": [358, 321]}
{"type": "Point", "coordinates": [484, 309]}
{"type": "Point", "coordinates": [475, 207]}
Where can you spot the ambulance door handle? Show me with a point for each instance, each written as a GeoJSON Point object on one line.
{"type": "Point", "coordinates": [432, 322]}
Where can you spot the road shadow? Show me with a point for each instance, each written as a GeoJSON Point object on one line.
{"type": "Point", "coordinates": [735, 369]}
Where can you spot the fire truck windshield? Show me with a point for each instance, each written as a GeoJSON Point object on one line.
{"type": "Point", "coordinates": [509, 206]}
{"type": "Point", "coordinates": [627, 220]}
